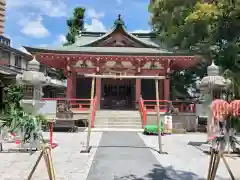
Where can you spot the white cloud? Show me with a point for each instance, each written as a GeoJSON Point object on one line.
{"type": "Point", "coordinates": [91, 13]}
{"type": "Point", "coordinates": [95, 26]}
{"type": "Point", "coordinates": [34, 27]}
{"type": "Point", "coordinates": [61, 39]}
{"type": "Point", "coordinates": [52, 8]}
{"type": "Point", "coordinates": [141, 31]}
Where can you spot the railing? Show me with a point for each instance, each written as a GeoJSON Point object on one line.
{"type": "Point", "coordinates": [183, 106]}
{"type": "Point", "coordinates": [143, 112]}
{"type": "Point", "coordinates": [75, 104]}
{"type": "Point", "coordinates": [78, 105]}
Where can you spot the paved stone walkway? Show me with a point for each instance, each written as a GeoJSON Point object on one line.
{"type": "Point", "coordinates": [69, 163]}
{"type": "Point", "coordinates": [123, 155]}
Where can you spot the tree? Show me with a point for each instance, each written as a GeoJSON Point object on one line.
{"type": "Point", "coordinates": [75, 25]}
{"type": "Point", "coordinates": [209, 27]}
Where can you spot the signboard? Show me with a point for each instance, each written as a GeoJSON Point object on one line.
{"type": "Point", "coordinates": [168, 124]}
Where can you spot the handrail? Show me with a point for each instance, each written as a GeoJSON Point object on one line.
{"type": "Point", "coordinates": [143, 112]}
{"type": "Point", "coordinates": [76, 104]}
{"type": "Point", "coordinates": [183, 106]}
{"type": "Point", "coordinates": [63, 99]}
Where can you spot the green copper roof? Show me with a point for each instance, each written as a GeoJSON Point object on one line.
{"type": "Point", "coordinates": [101, 50]}
{"type": "Point", "coordinates": [88, 38]}
{"type": "Point", "coordinates": [122, 50]}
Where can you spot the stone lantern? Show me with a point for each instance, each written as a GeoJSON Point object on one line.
{"type": "Point", "coordinates": [211, 87]}
{"type": "Point", "coordinates": [37, 80]}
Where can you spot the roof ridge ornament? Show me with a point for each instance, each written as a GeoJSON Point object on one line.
{"type": "Point", "coordinates": [119, 21]}
{"type": "Point", "coordinates": [213, 70]}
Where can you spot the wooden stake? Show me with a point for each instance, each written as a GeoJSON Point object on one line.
{"type": "Point", "coordinates": [214, 164]}
{"type": "Point", "coordinates": [90, 117]}
{"type": "Point", "coordinates": [46, 154]}
{"type": "Point", "coordinates": [35, 166]}
{"type": "Point", "coordinates": [47, 163]}
{"type": "Point", "coordinates": [158, 117]}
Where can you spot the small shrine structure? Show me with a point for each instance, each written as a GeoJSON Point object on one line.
{"type": "Point", "coordinates": [117, 52]}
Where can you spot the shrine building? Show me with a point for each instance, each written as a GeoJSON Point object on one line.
{"type": "Point", "coordinates": [115, 52]}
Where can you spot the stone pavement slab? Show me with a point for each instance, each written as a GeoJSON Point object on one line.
{"type": "Point", "coordinates": [123, 155]}
{"type": "Point", "coordinates": [185, 161]}
{"type": "Point", "coordinates": [69, 163]}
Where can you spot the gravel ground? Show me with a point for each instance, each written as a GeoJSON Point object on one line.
{"type": "Point", "coordinates": [187, 162]}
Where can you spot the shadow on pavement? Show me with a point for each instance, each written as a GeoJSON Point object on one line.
{"type": "Point", "coordinates": [161, 173]}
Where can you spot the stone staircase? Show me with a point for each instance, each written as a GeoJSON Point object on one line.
{"type": "Point", "coordinates": [118, 119]}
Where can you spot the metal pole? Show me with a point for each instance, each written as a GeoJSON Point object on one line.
{"type": "Point", "coordinates": [158, 117]}
{"type": "Point", "coordinates": [90, 116]}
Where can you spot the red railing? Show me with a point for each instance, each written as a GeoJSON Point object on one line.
{"type": "Point", "coordinates": [78, 105]}
{"type": "Point", "coordinates": [183, 106]}
{"type": "Point", "coordinates": [143, 112]}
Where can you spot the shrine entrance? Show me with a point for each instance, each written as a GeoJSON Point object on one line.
{"type": "Point", "coordinates": [118, 94]}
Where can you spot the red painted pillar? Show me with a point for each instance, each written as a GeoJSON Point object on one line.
{"type": "Point", "coordinates": [138, 91]}
{"type": "Point", "coordinates": [166, 89]}
{"type": "Point", "coordinates": [74, 85]}
{"type": "Point", "coordinates": [98, 92]}
{"type": "Point", "coordinates": [71, 86]}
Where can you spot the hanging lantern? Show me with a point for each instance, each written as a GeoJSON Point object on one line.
{"type": "Point", "coordinates": [235, 107]}
{"type": "Point", "coordinates": [220, 109]}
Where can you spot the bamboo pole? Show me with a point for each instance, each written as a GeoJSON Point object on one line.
{"type": "Point", "coordinates": [35, 166]}
{"type": "Point", "coordinates": [158, 117]}
{"type": "Point", "coordinates": [90, 117]}
{"type": "Point", "coordinates": [47, 156]}
{"type": "Point", "coordinates": [47, 163]}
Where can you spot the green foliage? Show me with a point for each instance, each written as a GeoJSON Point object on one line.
{"type": "Point", "coordinates": [15, 118]}
{"type": "Point", "coordinates": [211, 29]}
{"type": "Point", "coordinates": [60, 74]}
{"type": "Point", "coordinates": [14, 93]}
{"type": "Point", "coordinates": [75, 25]}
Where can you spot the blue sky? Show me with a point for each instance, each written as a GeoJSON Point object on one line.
{"type": "Point", "coordinates": [43, 22]}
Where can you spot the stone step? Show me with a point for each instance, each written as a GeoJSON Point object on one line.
{"type": "Point", "coordinates": [117, 111]}
{"type": "Point", "coordinates": [117, 120]}
{"type": "Point", "coordinates": [124, 115]}
{"type": "Point", "coordinates": [120, 118]}
{"type": "Point", "coordinates": [118, 126]}
{"type": "Point", "coordinates": [118, 123]}
{"type": "Point", "coordinates": [118, 114]}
